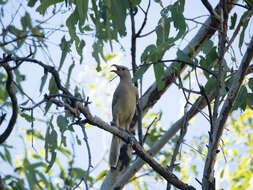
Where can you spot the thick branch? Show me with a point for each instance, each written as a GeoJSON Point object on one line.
{"type": "Point", "coordinates": [226, 108]}
{"type": "Point", "coordinates": [170, 177]}
{"type": "Point", "coordinates": [12, 94]}
{"type": "Point", "coordinates": [210, 9]}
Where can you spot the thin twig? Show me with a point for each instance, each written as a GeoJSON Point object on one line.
{"type": "Point", "coordinates": [11, 92]}
{"type": "Point", "coordinates": [144, 20]}
{"type": "Point", "coordinates": [180, 140]}
{"type": "Point", "coordinates": [86, 173]}
{"type": "Point", "coordinates": [185, 89]}
{"type": "Point", "coordinates": [240, 5]}
{"type": "Point", "coordinates": [147, 131]}
{"type": "Point", "coordinates": [191, 64]}
{"type": "Point", "coordinates": [142, 175]}
{"type": "Point", "coordinates": [144, 35]}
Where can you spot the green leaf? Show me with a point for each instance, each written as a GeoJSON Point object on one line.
{"type": "Point", "coordinates": [70, 128]}
{"type": "Point", "coordinates": [53, 89]}
{"type": "Point", "coordinates": [31, 3]}
{"type": "Point", "coordinates": [139, 73]}
{"type": "Point", "coordinates": [178, 18]}
{"type": "Point", "coordinates": [149, 54]}
{"type": "Point", "coordinates": [44, 179]}
{"type": "Point", "coordinates": [163, 31]}
{"type": "Point", "coordinates": [71, 24]}
{"type": "Point", "coordinates": [45, 4]}
{"type": "Point", "coordinates": [88, 28]}
{"type": "Point", "coordinates": [207, 46]}
{"type": "Point", "coordinates": [77, 173]}
{"type": "Point", "coordinates": [184, 57]}
{"type": "Point", "coordinates": [207, 60]}
{"type": "Point", "coordinates": [43, 81]}
{"type": "Point", "coordinates": [159, 72]}
{"type": "Point", "coordinates": [249, 3]}
{"type": "Point", "coordinates": [67, 85]}
{"type": "Point", "coordinates": [64, 151]}
{"type": "Point", "coordinates": [78, 140]}
{"type": "Point", "coordinates": [47, 107]}
{"type": "Point", "coordinates": [65, 47]}
{"type": "Point", "coordinates": [8, 156]}
{"type": "Point", "coordinates": [222, 173]}
{"type": "Point", "coordinates": [51, 163]}
{"type": "Point", "coordinates": [250, 84]}
{"type": "Point", "coordinates": [62, 122]}
{"type": "Point", "coordinates": [211, 56]}
{"type": "Point", "coordinates": [164, 12]}
{"type": "Point", "coordinates": [26, 21]}
{"type": "Point", "coordinates": [211, 84]}
{"type": "Point", "coordinates": [26, 116]}
{"type": "Point", "coordinates": [250, 100]}
{"type": "Point", "coordinates": [13, 30]}
{"type": "Point", "coordinates": [233, 21]}
{"type": "Point", "coordinates": [80, 47]}
{"type": "Point", "coordinates": [97, 50]}
{"type": "Point", "coordinates": [19, 77]}
{"type": "Point", "coordinates": [245, 25]}
{"type": "Point", "coordinates": [118, 11]}
{"type": "Point", "coordinates": [35, 133]}
{"type": "Point", "coordinates": [37, 165]}
{"type": "Point", "coordinates": [241, 100]}
{"type": "Point", "coordinates": [101, 174]}
{"type": "Point", "coordinates": [82, 8]}
{"type": "Point", "coordinates": [50, 145]}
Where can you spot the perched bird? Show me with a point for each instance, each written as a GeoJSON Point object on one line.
{"type": "Point", "coordinates": [124, 103]}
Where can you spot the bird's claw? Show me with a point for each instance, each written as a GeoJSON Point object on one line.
{"type": "Point", "coordinates": [113, 123]}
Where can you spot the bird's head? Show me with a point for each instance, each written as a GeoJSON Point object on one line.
{"type": "Point", "coordinates": [122, 72]}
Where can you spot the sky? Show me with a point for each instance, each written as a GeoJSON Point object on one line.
{"type": "Point", "coordinates": [171, 103]}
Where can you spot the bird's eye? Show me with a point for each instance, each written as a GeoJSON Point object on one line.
{"type": "Point", "coordinates": [123, 69]}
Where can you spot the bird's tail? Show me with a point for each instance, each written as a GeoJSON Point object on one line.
{"type": "Point", "coordinates": [114, 151]}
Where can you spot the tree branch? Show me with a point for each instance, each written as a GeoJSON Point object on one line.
{"type": "Point", "coordinates": [12, 94]}
{"type": "Point", "coordinates": [207, 180]}
{"type": "Point", "coordinates": [210, 9]}
{"type": "Point", "coordinates": [144, 20]}
{"type": "Point", "coordinates": [152, 95]}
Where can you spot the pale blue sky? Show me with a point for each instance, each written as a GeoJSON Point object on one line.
{"type": "Point", "coordinates": [171, 103]}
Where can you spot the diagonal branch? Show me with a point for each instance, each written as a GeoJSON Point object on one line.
{"type": "Point", "coordinates": [210, 9]}
{"type": "Point", "coordinates": [199, 104]}
{"type": "Point", "coordinates": [144, 20]}
{"type": "Point", "coordinates": [170, 177]}
{"type": "Point", "coordinates": [13, 97]}
{"type": "Point", "coordinates": [207, 180]}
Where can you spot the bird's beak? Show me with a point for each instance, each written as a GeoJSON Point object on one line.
{"type": "Point", "coordinates": [117, 69]}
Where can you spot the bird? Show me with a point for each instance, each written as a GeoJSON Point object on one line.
{"type": "Point", "coordinates": [124, 102]}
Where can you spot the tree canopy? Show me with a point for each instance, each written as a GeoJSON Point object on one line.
{"type": "Point", "coordinates": [191, 62]}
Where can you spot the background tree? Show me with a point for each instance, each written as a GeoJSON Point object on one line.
{"type": "Point", "coordinates": [55, 43]}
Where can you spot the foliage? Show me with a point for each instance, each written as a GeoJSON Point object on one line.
{"type": "Point", "coordinates": [27, 33]}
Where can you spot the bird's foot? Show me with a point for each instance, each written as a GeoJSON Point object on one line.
{"type": "Point", "coordinates": [113, 123]}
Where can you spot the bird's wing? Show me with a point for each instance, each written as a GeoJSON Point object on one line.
{"type": "Point", "coordinates": [115, 98]}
